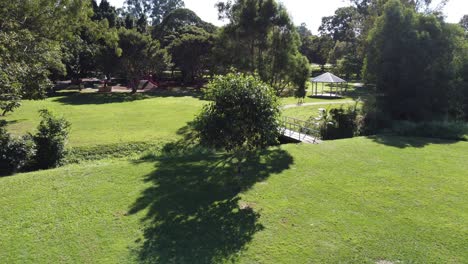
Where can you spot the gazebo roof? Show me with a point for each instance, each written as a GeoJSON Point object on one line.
{"type": "Point", "coordinates": [328, 78]}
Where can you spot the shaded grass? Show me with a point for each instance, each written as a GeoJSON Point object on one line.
{"type": "Point", "coordinates": [194, 213]}
{"type": "Point", "coordinates": [117, 150]}
{"type": "Point", "coordinates": [434, 129]}
{"type": "Point", "coordinates": [359, 200]}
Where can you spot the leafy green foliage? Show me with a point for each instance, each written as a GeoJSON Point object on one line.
{"type": "Point", "coordinates": [10, 94]}
{"type": "Point", "coordinates": [179, 22]}
{"type": "Point", "coordinates": [342, 26]}
{"type": "Point", "coordinates": [15, 153]}
{"type": "Point", "coordinates": [30, 44]}
{"type": "Point", "coordinates": [191, 54]}
{"type": "Point", "coordinates": [156, 10]}
{"type": "Point", "coordinates": [408, 60]}
{"type": "Point", "coordinates": [94, 46]}
{"type": "Point", "coordinates": [242, 117]}
{"type": "Point", "coordinates": [464, 22]}
{"type": "Point", "coordinates": [458, 92]}
{"type": "Point", "coordinates": [261, 38]}
{"type": "Point", "coordinates": [105, 11]}
{"type": "Point", "coordinates": [317, 49]}
{"type": "Point", "coordinates": [50, 140]}
{"type": "Point", "coordinates": [337, 123]}
{"type": "Point", "coordinates": [141, 56]}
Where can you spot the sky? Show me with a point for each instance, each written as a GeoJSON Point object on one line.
{"type": "Point", "coordinates": [306, 11]}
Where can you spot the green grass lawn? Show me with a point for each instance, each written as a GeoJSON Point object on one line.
{"type": "Point", "coordinates": [359, 200]}
{"type": "Point", "coordinates": [111, 118]}
{"type": "Point", "coordinates": [305, 112]}
{"type": "Point", "coordinates": [353, 93]}
{"type": "Point", "coordinates": [104, 119]}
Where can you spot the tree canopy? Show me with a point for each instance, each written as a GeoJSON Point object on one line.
{"type": "Point", "coordinates": [261, 37]}
{"type": "Point", "coordinates": [156, 10]}
{"type": "Point", "coordinates": [408, 61]}
{"type": "Point", "coordinates": [31, 33]}
{"type": "Point", "coordinates": [242, 117]}
{"type": "Point", "coordinates": [141, 56]}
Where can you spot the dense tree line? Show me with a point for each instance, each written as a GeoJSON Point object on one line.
{"type": "Point", "coordinates": [418, 69]}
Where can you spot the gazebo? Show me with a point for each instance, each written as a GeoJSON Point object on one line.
{"type": "Point", "coordinates": [327, 78]}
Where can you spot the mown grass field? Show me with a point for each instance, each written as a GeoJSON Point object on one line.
{"type": "Point", "coordinates": [101, 119]}
{"type": "Point", "coordinates": [360, 200]}
{"type": "Point", "coordinates": [105, 119]}
{"type": "Point", "coordinates": [305, 112]}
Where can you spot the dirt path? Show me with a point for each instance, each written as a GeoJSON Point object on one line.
{"type": "Point", "coordinates": [317, 103]}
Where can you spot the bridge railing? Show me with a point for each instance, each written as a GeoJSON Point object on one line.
{"type": "Point", "coordinates": [303, 128]}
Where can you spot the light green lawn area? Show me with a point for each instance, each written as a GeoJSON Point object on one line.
{"type": "Point", "coordinates": [111, 118]}
{"type": "Point", "coordinates": [305, 112]}
{"type": "Point", "coordinates": [102, 119]}
{"type": "Point", "coordinates": [359, 200]}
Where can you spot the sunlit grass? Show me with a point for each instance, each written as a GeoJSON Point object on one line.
{"type": "Point", "coordinates": [349, 201]}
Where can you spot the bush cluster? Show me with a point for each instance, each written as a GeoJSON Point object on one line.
{"type": "Point", "coordinates": [15, 153]}
{"type": "Point", "coordinates": [50, 140]}
{"type": "Point", "coordinates": [43, 150]}
{"type": "Point", "coordinates": [339, 123]}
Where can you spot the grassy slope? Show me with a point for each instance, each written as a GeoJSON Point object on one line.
{"type": "Point", "coordinates": [110, 119]}
{"type": "Point", "coordinates": [358, 200]}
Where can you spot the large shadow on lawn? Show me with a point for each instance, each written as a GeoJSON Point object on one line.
{"type": "Point", "coordinates": [194, 213]}
{"type": "Point", "coordinates": [76, 98]}
{"type": "Point", "coordinates": [409, 142]}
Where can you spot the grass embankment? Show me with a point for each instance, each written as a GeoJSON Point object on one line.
{"type": "Point", "coordinates": [350, 201]}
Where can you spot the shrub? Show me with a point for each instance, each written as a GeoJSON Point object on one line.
{"type": "Point", "coordinates": [338, 123]}
{"type": "Point", "coordinates": [242, 117]}
{"type": "Point", "coordinates": [50, 140]}
{"type": "Point", "coordinates": [15, 153]}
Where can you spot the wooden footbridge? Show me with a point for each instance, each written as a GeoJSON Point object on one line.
{"type": "Point", "coordinates": [300, 130]}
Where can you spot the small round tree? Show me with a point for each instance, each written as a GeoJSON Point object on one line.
{"type": "Point", "coordinates": [242, 117]}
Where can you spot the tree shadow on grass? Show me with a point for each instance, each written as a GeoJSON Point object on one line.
{"type": "Point", "coordinates": [194, 213]}
{"type": "Point", "coordinates": [409, 142]}
{"type": "Point", "coordinates": [77, 98]}
{"type": "Point", "coordinates": [10, 122]}
{"type": "Point", "coordinates": [358, 92]}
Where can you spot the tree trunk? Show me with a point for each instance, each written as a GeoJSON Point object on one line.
{"type": "Point", "coordinates": [134, 86]}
